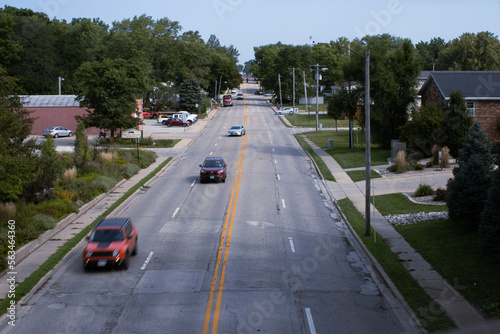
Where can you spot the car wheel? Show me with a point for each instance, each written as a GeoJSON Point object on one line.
{"type": "Point", "coordinates": [134, 252]}
{"type": "Point", "coordinates": [86, 267]}
{"type": "Point", "coordinates": [125, 263]}
{"type": "Point", "coordinates": [224, 179]}
{"type": "Point", "coordinates": [184, 124]}
{"type": "Point", "coordinates": [169, 125]}
{"type": "Point", "coordinates": [56, 135]}
{"type": "Point", "coordinates": [70, 134]}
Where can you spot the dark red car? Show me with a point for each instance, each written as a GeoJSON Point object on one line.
{"type": "Point", "coordinates": [174, 121]}
{"type": "Point", "coordinates": [213, 169]}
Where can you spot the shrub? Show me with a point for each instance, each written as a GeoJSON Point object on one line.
{"type": "Point", "coordinates": [56, 208]}
{"type": "Point", "coordinates": [104, 183]}
{"type": "Point", "coordinates": [7, 210]}
{"type": "Point", "coordinates": [401, 165]}
{"type": "Point", "coordinates": [129, 169]}
{"type": "Point", "coordinates": [424, 190]}
{"type": "Point", "coordinates": [43, 223]}
{"type": "Point", "coordinates": [445, 157]}
{"type": "Point", "coordinates": [419, 167]}
{"type": "Point", "coordinates": [108, 157]}
{"type": "Point", "coordinates": [69, 176]}
{"type": "Point", "coordinates": [440, 195]}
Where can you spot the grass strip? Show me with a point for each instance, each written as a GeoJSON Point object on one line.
{"type": "Point", "coordinates": [360, 175]}
{"type": "Point", "coordinates": [29, 283]}
{"type": "Point", "coordinates": [323, 168]}
{"type": "Point", "coordinates": [429, 313]}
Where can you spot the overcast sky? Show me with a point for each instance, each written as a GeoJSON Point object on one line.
{"type": "Point", "coordinates": [249, 23]}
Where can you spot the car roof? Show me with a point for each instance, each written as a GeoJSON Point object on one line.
{"type": "Point", "coordinates": [113, 222]}
{"type": "Point", "coordinates": [236, 126]}
{"type": "Point", "coordinates": [213, 158]}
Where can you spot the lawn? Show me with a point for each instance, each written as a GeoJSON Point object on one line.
{"type": "Point", "coordinates": [345, 156]}
{"type": "Point", "coordinates": [451, 249]}
{"type": "Point", "coordinates": [305, 120]}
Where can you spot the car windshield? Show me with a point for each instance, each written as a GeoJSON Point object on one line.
{"type": "Point", "coordinates": [107, 235]}
{"type": "Point", "coordinates": [212, 163]}
{"type": "Point", "coordinates": [236, 127]}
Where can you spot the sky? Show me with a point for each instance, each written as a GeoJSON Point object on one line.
{"type": "Point", "coordinates": [249, 23]}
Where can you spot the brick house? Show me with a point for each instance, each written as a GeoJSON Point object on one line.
{"type": "Point", "coordinates": [58, 110]}
{"type": "Point", "coordinates": [481, 91]}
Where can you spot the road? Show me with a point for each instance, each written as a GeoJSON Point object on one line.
{"type": "Point", "coordinates": [263, 252]}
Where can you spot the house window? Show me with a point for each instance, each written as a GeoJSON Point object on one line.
{"type": "Point", "coordinates": [470, 107]}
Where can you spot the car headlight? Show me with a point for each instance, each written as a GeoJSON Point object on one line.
{"type": "Point", "coordinates": [116, 252]}
{"type": "Point", "coordinates": [88, 254]}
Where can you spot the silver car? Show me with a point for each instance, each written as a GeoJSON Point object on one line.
{"type": "Point", "coordinates": [236, 130]}
{"type": "Point", "coordinates": [57, 131]}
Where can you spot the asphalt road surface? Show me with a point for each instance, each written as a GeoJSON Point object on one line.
{"type": "Point", "coordinates": [263, 252]}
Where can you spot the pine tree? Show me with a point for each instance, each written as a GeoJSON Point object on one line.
{"type": "Point", "coordinates": [489, 227]}
{"type": "Point", "coordinates": [469, 188]}
{"type": "Point", "coordinates": [190, 95]}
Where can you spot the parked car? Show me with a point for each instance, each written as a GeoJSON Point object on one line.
{"type": "Point", "coordinates": [111, 243]}
{"type": "Point", "coordinates": [175, 121]}
{"type": "Point", "coordinates": [57, 131]}
{"type": "Point", "coordinates": [162, 117]}
{"type": "Point", "coordinates": [239, 96]}
{"type": "Point", "coordinates": [285, 111]}
{"type": "Point", "coordinates": [236, 130]}
{"type": "Point", "coordinates": [213, 169]}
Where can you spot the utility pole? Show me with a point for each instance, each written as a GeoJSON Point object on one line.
{"type": "Point", "coordinates": [367, 143]}
{"type": "Point", "coordinates": [293, 97]}
{"type": "Point", "coordinates": [279, 83]}
{"type": "Point", "coordinates": [305, 94]}
{"type": "Point", "coordinates": [317, 92]}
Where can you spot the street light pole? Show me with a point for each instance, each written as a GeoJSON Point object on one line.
{"type": "Point", "coordinates": [317, 92]}
{"type": "Point", "coordinates": [60, 79]}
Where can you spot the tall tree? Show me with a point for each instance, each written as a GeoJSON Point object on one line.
{"type": "Point", "coordinates": [456, 123]}
{"type": "Point", "coordinates": [489, 227]}
{"type": "Point", "coordinates": [428, 53]}
{"type": "Point", "coordinates": [190, 97]}
{"type": "Point", "coordinates": [109, 90]}
{"type": "Point", "coordinates": [472, 178]}
{"type": "Point", "coordinates": [471, 52]}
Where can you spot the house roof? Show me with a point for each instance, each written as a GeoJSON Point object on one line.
{"type": "Point", "coordinates": [33, 101]}
{"type": "Point", "coordinates": [474, 85]}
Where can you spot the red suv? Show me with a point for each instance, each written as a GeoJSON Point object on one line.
{"type": "Point", "coordinates": [111, 243]}
{"type": "Point", "coordinates": [213, 169]}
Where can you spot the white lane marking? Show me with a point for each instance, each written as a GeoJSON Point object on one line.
{"type": "Point", "coordinates": [147, 260]}
{"type": "Point", "coordinates": [275, 162]}
{"type": "Point", "coordinates": [283, 201]}
{"type": "Point", "coordinates": [278, 176]}
{"type": "Point", "coordinates": [176, 212]}
{"type": "Point", "coordinates": [211, 153]}
{"type": "Point", "coordinates": [194, 182]}
{"type": "Point", "coordinates": [215, 144]}
{"type": "Point", "coordinates": [273, 149]}
{"type": "Point", "coordinates": [291, 244]}
{"type": "Point", "coordinates": [312, 329]}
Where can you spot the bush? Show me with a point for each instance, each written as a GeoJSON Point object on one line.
{"type": "Point", "coordinates": [56, 208]}
{"type": "Point", "coordinates": [445, 157]}
{"type": "Point", "coordinates": [108, 157]}
{"type": "Point", "coordinates": [104, 183]}
{"type": "Point", "coordinates": [43, 222]}
{"type": "Point", "coordinates": [435, 155]}
{"type": "Point", "coordinates": [419, 167]}
{"type": "Point", "coordinates": [401, 165]}
{"type": "Point", "coordinates": [424, 190]}
{"type": "Point", "coordinates": [69, 176]}
{"type": "Point", "coordinates": [128, 170]}
{"type": "Point", "coordinates": [440, 195]}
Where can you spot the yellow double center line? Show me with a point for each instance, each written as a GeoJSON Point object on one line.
{"type": "Point", "coordinates": [224, 245]}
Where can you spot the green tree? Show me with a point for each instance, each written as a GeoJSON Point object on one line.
{"type": "Point", "coordinates": [472, 178]}
{"type": "Point", "coordinates": [81, 146]}
{"type": "Point", "coordinates": [16, 153]}
{"type": "Point", "coordinates": [471, 52]}
{"type": "Point", "coordinates": [423, 130]}
{"type": "Point", "coordinates": [109, 90]}
{"type": "Point", "coordinates": [489, 227]}
{"type": "Point", "coordinates": [345, 103]}
{"type": "Point", "coordinates": [456, 123]}
{"type": "Point", "coordinates": [428, 53]}
{"type": "Point", "coordinates": [394, 68]}
{"type": "Point", "coordinates": [190, 95]}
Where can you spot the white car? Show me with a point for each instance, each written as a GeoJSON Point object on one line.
{"type": "Point", "coordinates": [285, 111]}
{"type": "Point", "coordinates": [57, 131]}
{"type": "Point", "coordinates": [236, 130]}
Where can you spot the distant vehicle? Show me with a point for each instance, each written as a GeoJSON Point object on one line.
{"type": "Point", "coordinates": [190, 118]}
{"type": "Point", "coordinates": [162, 117]}
{"type": "Point", "coordinates": [258, 92]}
{"type": "Point", "coordinates": [227, 101]}
{"type": "Point", "coordinates": [285, 111]}
{"type": "Point", "coordinates": [269, 94]}
{"type": "Point", "coordinates": [213, 169]}
{"type": "Point", "coordinates": [175, 121]}
{"type": "Point", "coordinates": [149, 114]}
{"type": "Point", "coordinates": [57, 131]}
{"type": "Point", "coordinates": [236, 130]}
{"type": "Point", "coordinates": [111, 243]}
{"type": "Point", "coordinates": [233, 90]}
{"type": "Point", "coordinates": [239, 96]}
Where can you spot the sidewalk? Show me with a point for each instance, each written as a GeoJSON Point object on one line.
{"type": "Point", "coordinates": [445, 295]}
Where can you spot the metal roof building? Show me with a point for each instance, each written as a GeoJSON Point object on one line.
{"type": "Point", "coordinates": [34, 101]}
